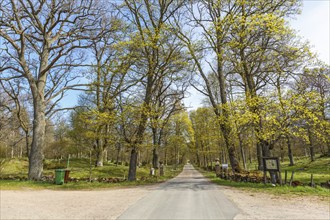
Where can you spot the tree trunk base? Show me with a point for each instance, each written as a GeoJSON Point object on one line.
{"type": "Point", "coordinates": [132, 165]}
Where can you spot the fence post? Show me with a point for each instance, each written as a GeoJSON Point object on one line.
{"type": "Point", "coordinates": [291, 178]}
{"type": "Point", "coordinates": [312, 181]}
{"type": "Point", "coordinates": [280, 177]}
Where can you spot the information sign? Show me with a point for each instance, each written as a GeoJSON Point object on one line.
{"type": "Point", "coordinates": [271, 164]}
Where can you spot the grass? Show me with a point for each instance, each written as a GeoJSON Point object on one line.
{"type": "Point", "coordinates": [303, 170]}
{"type": "Point", "coordinates": [18, 168]}
{"type": "Point", "coordinates": [268, 188]}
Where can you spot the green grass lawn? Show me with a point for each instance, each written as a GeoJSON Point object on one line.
{"type": "Point", "coordinates": [80, 169]}
{"type": "Point", "coordinates": [303, 170]}
{"type": "Point", "coordinates": [268, 188]}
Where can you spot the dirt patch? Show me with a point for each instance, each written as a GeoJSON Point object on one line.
{"type": "Point", "coordinates": [47, 204]}
{"type": "Point", "coordinates": [109, 204]}
{"type": "Point", "coordinates": [265, 206]}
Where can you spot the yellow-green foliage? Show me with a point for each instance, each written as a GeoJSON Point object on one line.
{"type": "Point", "coordinates": [183, 131]}
{"type": "Point", "coordinates": [94, 119]}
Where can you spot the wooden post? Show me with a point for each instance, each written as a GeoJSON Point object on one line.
{"type": "Point", "coordinates": [312, 181]}
{"type": "Point", "coordinates": [291, 178]}
{"type": "Point", "coordinates": [265, 177]}
{"type": "Point", "coordinates": [90, 166]}
{"type": "Point", "coordinates": [280, 177]}
{"type": "Point", "coordinates": [286, 177]}
{"type": "Point", "coordinates": [161, 169]}
{"type": "Point", "coordinates": [68, 162]}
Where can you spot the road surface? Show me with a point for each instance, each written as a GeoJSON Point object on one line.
{"type": "Point", "coordinates": [188, 196]}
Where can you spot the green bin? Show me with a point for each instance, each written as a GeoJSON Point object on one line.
{"type": "Point", "coordinates": [59, 176]}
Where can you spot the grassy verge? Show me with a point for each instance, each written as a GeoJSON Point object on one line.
{"type": "Point", "coordinates": [268, 188]}
{"type": "Point", "coordinates": [303, 170]}
{"type": "Point", "coordinates": [79, 169]}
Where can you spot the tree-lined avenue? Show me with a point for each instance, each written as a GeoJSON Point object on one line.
{"type": "Point", "coordinates": [188, 196]}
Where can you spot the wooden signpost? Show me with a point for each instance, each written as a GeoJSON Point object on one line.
{"type": "Point", "coordinates": [272, 165]}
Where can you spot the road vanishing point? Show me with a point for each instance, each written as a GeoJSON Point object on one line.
{"type": "Point", "coordinates": [188, 196]}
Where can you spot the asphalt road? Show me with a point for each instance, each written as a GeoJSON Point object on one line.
{"type": "Point", "coordinates": [188, 196]}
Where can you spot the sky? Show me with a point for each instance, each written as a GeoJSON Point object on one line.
{"type": "Point", "coordinates": [313, 25]}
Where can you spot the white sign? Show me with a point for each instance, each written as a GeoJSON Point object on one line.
{"type": "Point", "coordinates": [224, 166]}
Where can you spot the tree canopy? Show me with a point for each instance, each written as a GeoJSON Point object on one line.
{"type": "Point", "coordinates": [133, 63]}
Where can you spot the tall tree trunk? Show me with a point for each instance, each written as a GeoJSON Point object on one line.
{"type": "Point", "coordinates": [242, 150]}
{"type": "Point", "coordinates": [39, 116]}
{"type": "Point", "coordinates": [251, 95]}
{"type": "Point", "coordinates": [142, 125]}
{"type": "Point", "coordinates": [38, 140]}
{"type": "Point", "coordinates": [99, 152]}
{"type": "Point", "coordinates": [203, 155]}
{"type": "Point", "coordinates": [265, 149]}
{"type": "Point", "coordinates": [118, 152]}
{"type": "Point", "coordinates": [282, 154]}
{"type": "Point", "coordinates": [134, 153]}
{"type": "Point", "coordinates": [122, 157]}
{"type": "Point", "coordinates": [27, 144]}
{"type": "Point", "coordinates": [312, 153]}
{"type": "Point", "coordinates": [197, 158]}
{"type": "Point", "coordinates": [209, 158]}
{"type": "Point", "coordinates": [165, 156]}
{"type": "Point", "coordinates": [224, 111]}
{"type": "Point", "coordinates": [132, 165]}
{"type": "Point", "coordinates": [175, 157]}
{"type": "Point", "coordinates": [223, 156]}
{"type": "Point", "coordinates": [207, 162]}
{"type": "Point", "coordinates": [250, 155]}
{"type": "Point", "coordinates": [105, 155]}
{"type": "Point", "coordinates": [259, 156]}
{"type": "Point", "coordinates": [155, 159]}
{"type": "Point", "coordinates": [288, 141]}
{"type": "Point", "coordinates": [99, 158]}
{"type": "Point", "coordinates": [306, 151]}
{"type": "Point", "coordinates": [311, 145]}
{"type": "Point", "coordinates": [230, 147]}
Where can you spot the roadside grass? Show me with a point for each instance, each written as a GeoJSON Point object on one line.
{"type": "Point", "coordinates": [303, 169]}
{"type": "Point", "coordinates": [268, 188]}
{"type": "Point", "coordinates": [80, 169]}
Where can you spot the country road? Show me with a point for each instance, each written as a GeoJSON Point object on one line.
{"type": "Point", "coordinates": [188, 196]}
